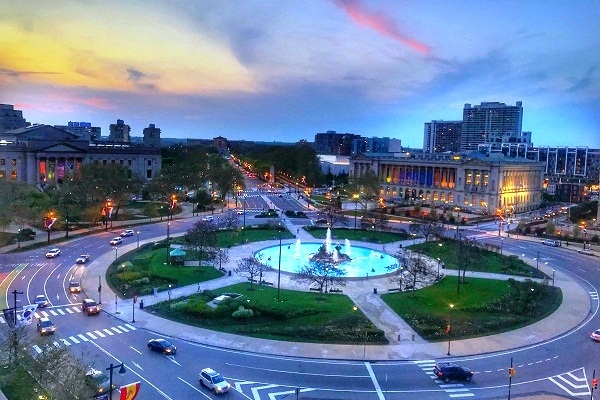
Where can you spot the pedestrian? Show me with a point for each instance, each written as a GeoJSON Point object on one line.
{"type": "Point", "coordinates": [298, 231]}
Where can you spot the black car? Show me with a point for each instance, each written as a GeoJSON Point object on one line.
{"type": "Point", "coordinates": [162, 346]}
{"type": "Point", "coordinates": [451, 371]}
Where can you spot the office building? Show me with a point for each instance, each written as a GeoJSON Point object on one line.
{"type": "Point", "coordinates": [492, 122]}
{"type": "Point", "coordinates": [10, 118]}
{"type": "Point", "coordinates": [442, 136]}
{"type": "Point", "coordinates": [83, 130]}
{"type": "Point", "coordinates": [152, 136]}
{"type": "Point", "coordinates": [333, 143]}
{"type": "Point", "coordinates": [375, 145]}
{"type": "Point", "coordinates": [119, 132]}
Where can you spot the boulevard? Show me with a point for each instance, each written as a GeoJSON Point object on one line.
{"type": "Point", "coordinates": [258, 369]}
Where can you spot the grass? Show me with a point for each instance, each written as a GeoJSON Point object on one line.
{"type": "Point", "coordinates": [249, 235]}
{"type": "Point", "coordinates": [299, 316]}
{"type": "Point", "coordinates": [483, 307]}
{"type": "Point", "coordinates": [485, 261]}
{"type": "Point", "coordinates": [17, 384]}
{"type": "Point", "coordinates": [146, 269]}
{"type": "Point", "coordinates": [362, 235]}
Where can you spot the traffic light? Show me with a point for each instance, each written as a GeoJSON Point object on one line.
{"type": "Point", "coordinates": [447, 329]}
{"type": "Point", "coordinates": [512, 372]}
{"type": "Point", "coordinates": [595, 383]}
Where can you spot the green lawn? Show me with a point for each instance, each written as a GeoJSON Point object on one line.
{"type": "Point", "coordinates": [362, 235]}
{"type": "Point", "coordinates": [299, 316]}
{"type": "Point", "coordinates": [483, 307]}
{"type": "Point", "coordinates": [249, 235]}
{"type": "Point", "coordinates": [486, 261]}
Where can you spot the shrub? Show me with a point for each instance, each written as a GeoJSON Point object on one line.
{"type": "Point", "coordinates": [242, 312]}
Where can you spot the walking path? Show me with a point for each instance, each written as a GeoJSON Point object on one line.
{"type": "Point", "coordinates": [404, 342]}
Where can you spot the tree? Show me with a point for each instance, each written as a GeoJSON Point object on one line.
{"type": "Point", "coordinates": [374, 219]}
{"type": "Point", "coordinates": [414, 267]}
{"type": "Point", "coordinates": [321, 272]}
{"type": "Point", "coordinates": [470, 254]}
{"type": "Point", "coordinates": [427, 228]}
{"type": "Point", "coordinates": [333, 213]}
{"type": "Point", "coordinates": [202, 238]}
{"type": "Point", "coordinates": [222, 256]}
{"type": "Point", "coordinates": [367, 187]}
{"type": "Point", "coordinates": [250, 267]}
{"type": "Point", "coordinates": [229, 221]}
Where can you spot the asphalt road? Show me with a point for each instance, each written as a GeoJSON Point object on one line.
{"type": "Point", "coordinates": [562, 366]}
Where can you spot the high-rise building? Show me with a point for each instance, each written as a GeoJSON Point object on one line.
{"type": "Point", "coordinates": [152, 136]}
{"type": "Point", "coordinates": [119, 132]}
{"type": "Point", "coordinates": [491, 122]}
{"type": "Point", "coordinates": [11, 118]}
{"type": "Point", "coordinates": [83, 130]}
{"type": "Point", "coordinates": [442, 136]}
{"type": "Point", "coordinates": [374, 145]}
{"type": "Point", "coordinates": [333, 143]}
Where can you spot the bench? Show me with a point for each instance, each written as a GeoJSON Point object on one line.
{"type": "Point", "coordinates": [315, 289]}
{"type": "Point", "coordinates": [266, 283]}
{"type": "Point", "coordinates": [394, 290]}
{"type": "Point", "coordinates": [335, 291]}
{"type": "Point", "coordinates": [252, 280]}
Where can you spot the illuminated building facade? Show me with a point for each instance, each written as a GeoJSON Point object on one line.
{"type": "Point", "coordinates": [477, 183]}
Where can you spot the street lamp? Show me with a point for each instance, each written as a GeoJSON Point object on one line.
{"type": "Point", "coordinates": [244, 207]}
{"type": "Point", "coordinates": [501, 244]}
{"type": "Point", "coordinates": [168, 233]}
{"type": "Point", "coordinates": [122, 370]}
{"type": "Point", "coordinates": [449, 328]}
{"type": "Point", "coordinates": [116, 253]}
{"type": "Point", "coordinates": [537, 261]}
{"type": "Point", "coordinates": [438, 273]}
{"type": "Point", "coordinates": [279, 267]}
{"type": "Point", "coordinates": [553, 271]}
{"type": "Point", "coordinates": [355, 308]}
{"type": "Point", "coordinates": [355, 197]}
{"type": "Point", "coordinates": [138, 239]}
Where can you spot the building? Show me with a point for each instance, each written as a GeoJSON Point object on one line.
{"type": "Point", "coordinates": [477, 183]}
{"type": "Point", "coordinates": [492, 122]}
{"type": "Point", "coordinates": [83, 130]}
{"type": "Point", "coordinates": [43, 154]}
{"type": "Point", "coordinates": [221, 144]}
{"type": "Point", "coordinates": [119, 132]}
{"type": "Point", "coordinates": [11, 119]}
{"type": "Point", "coordinates": [152, 136]}
{"type": "Point", "coordinates": [334, 165]}
{"type": "Point", "coordinates": [442, 136]}
{"type": "Point", "coordinates": [374, 145]}
{"type": "Point", "coordinates": [333, 143]}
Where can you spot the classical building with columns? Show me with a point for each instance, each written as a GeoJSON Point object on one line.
{"type": "Point", "coordinates": [483, 184]}
{"type": "Point", "coordinates": [42, 154]}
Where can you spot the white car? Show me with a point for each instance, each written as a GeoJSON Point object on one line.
{"type": "Point", "coordinates": [116, 241]}
{"type": "Point", "coordinates": [596, 335]}
{"type": "Point", "coordinates": [586, 252]}
{"type": "Point", "coordinates": [128, 232]}
{"type": "Point", "coordinates": [208, 218]}
{"type": "Point", "coordinates": [214, 381]}
{"type": "Point", "coordinates": [53, 253]}
{"type": "Point", "coordinates": [240, 212]}
{"type": "Point", "coordinates": [82, 259]}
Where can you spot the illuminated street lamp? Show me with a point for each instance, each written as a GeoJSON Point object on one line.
{"type": "Point", "coordinates": [279, 266]}
{"type": "Point", "coordinates": [355, 197]}
{"type": "Point", "coordinates": [122, 370]}
{"type": "Point", "coordinates": [449, 327]}
{"type": "Point", "coordinates": [501, 244]}
{"type": "Point", "coordinates": [138, 239]}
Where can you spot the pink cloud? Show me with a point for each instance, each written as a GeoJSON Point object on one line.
{"type": "Point", "coordinates": [101, 104]}
{"type": "Point", "coordinates": [379, 23]}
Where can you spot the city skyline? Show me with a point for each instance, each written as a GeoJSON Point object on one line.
{"type": "Point", "coordinates": [285, 71]}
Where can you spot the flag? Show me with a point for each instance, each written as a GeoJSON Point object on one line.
{"type": "Point", "coordinates": [27, 315]}
{"type": "Point", "coordinates": [128, 392]}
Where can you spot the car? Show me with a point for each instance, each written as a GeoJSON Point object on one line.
{"type": "Point", "coordinates": [53, 253]}
{"type": "Point", "coordinates": [587, 252]}
{"type": "Point", "coordinates": [98, 381]}
{"type": "Point", "coordinates": [450, 371]}
{"type": "Point", "coordinates": [41, 301]}
{"type": "Point", "coordinates": [595, 335]}
{"type": "Point", "coordinates": [213, 380]}
{"type": "Point", "coordinates": [74, 287]}
{"type": "Point", "coordinates": [240, 212]}
{"type": "Point", "coordinates": [45, 326]}
{"type": "Point", "coordinates": [162, 346]}
{"type": "Point", "coordinates": [116, 241]}
{"type": "Point", "coordinates": [550, 242]}
{"type": "Point", "coordinates": [127, 232]}
{"type": "Point", "coordinates": [90, 307]}
{"type": "Point", "coordinates": [82, 259]}
{"type": "Point", "coordinates": [208, 218]}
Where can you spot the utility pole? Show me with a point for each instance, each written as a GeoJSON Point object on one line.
{"type": "Point", "coordinates": [15, 293]}
{"type": "Point", "coordinates": [511, 372]}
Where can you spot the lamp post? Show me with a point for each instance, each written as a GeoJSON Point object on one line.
{"type": "Point", "coordinates": [279, 267]}
{"type": "Point", "coordinates": [449, 328]}
{"type": "Point", "coordinates": [116, 253]}
{"type": "Point", "coordinates": [501, 244]}
{"type": "Point", "coordinates": [19, 238]}
{"type": "Point", "coordinates": [122, 370]}
{"type": "Point", "coordinates": [537, 261]}
{"type": "Point", "coordinates": [438, 272]}
{"type": "Point", "coordinates": [355, 308]}
{"type": "Point", "coordinates": [133, 308]}
{"type": "Point", "coordinates": [67, 222]}
{"type": "Point", "coordinates": [244, 207]}
{"type": "Point", "coordinates": [355, 197]}
{"type": "Point", "coordinates": [168, 233]}
{"type": "Point", "coordinates": [585, 238]}
{"type": "Point", "coordinates": [553, 271]}
{"type": "Point", "coordinates": [138, 239]}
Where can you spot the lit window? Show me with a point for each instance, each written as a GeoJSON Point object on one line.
{"type": "Point", "coordinates": [13, 175]}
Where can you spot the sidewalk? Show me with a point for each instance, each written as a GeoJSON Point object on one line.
{"type": "Point", "coordinates": [404, 342]}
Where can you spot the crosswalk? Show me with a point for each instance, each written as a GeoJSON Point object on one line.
{"type": "Point", "coordinates": [89, 336]}
{"type": "Point", "coordinates": [52, 312]}
{"type": "Point", "coordinates": [454, 390]}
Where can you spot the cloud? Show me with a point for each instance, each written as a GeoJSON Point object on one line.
{"type": "Point", "coordinates": [135, 75]}
{"type": "Point", "coordinates": [101, 104]}
{"type": "Point", "coordinates": [16, 73]}
{"type": "Point", "coordinates": [379, 23]}
{"type": "Point", "coordinates": [584, 82]}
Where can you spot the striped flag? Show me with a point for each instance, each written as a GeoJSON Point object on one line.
{"type": "Point", "coordinates": [128, 392]}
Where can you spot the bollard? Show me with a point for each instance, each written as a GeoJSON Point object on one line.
{"type": "Point", "coordinates": [141, 304]}
{"type": "Point", "coordinates": [413, 337]}
{"type": "Point", "coordinates": [374, 290]}
{"type": "Point", "coordinates": [398, 337]}
{"type": "Point", "coordinates": [229, 272]}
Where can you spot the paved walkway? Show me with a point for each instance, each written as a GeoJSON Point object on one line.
{"type": "Point", "coordinates": [404, 342]}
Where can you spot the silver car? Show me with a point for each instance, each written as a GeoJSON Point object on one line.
{"type": "Point", "coordinates": [214, 381]}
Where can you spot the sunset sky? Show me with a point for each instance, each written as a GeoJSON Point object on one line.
{"type": "Point", "coordinates": [282, 70]}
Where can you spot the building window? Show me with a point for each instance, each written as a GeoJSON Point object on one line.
{"type": "Point", "coordinates": [486, 177]}
{"type": "Point", "coordinates": [13, 175]}
{"type": "Point", "coordinates": [149, 174]}
{"type": "Point", "coordinates": [149, 163]}
{"type": "Point", "coordinates": [129, 162]}
{"type": "Point", "coordinates": [2, 174]}
{"type": "Point", "coordinates": [2, 161]}
{"type": "Point", "coordinates": [14, 162]}
{"type": "Point", "coordinates": [469, 178]}
{"type": "Point", "coordinates": [477, 178]}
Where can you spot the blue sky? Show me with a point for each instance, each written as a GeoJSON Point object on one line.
{"type": "Point", "coordinates": [285, 70]}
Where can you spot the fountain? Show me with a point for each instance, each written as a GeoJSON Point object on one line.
{"type": "Point", "coordinates": [364, 261]}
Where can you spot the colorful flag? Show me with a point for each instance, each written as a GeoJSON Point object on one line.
{"type": "Point", "coordinates": [27, 315]}
{"type": "Point", "coordinates": [128, 392]}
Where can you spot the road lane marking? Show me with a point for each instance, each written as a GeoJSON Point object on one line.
{"type": "Point", "coordinates": [83, 338]}
{"type": "Point", "coordinates": [74, 340]}
{"type": "Point", "coordinates": [375, 383]}
{"type": "Point", "coordinates": [137, 365]}
{"type": "Point", "coordinates": [134, 349]}
{"type": "Point", "coordinates": [90, 334]}
{"type": "Point", "coordinates": [108, 332]}
{"type": "Point", "coordinates": [99, 333]}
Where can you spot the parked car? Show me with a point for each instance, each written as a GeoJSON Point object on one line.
{"type": "Point", "coordinates": [127, 232]}
{"type": "Point", "coordinates": [162, 346]}
{"type": "Point", "coordinates": [116, 241]}
{"type": "Point", "coordinates": [208, 218]}
{"type": "Point", "coordinates": [82, 259]}
{"type": "Point", "coordinates": [53, 253]}
{"type": "Point", "coordinates": [451, 371]}
{"type": "Point", "coordinates": [596, 335]}
{"type": "Point", "coordinates": [550, 242]}
{"type": "Point", "coordinates": [74, 287]}
{"type": "Point", "coordinates": [214, 381]}
{"type": "Point", "coordinates": [41, 301]}
{"type": "Point", "coordinates": [45, 326]}
{"type": "Point", "coordinates": [90, 307]}
{"type": "Point", "coordinates": [587, 252]}
{"type": "Point", "coordinates": [98, 381]}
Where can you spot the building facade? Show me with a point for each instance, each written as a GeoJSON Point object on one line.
{"type": "Point", "coordinates": [442, 136]}
{"type": "Point", "coordinates": [333, 143]}
{"type": "Point", "coordinates": [491, 122]}
{"type": "Point", "coordinates": [11, 119]}
{"type": "Point", "coordinates": [152, 136]}
{"type": "Point", "coordinates": [479, 184]}
{"type": "Point", "coordinates": [83, 130]}
{"type": "Point", "coordinates": [119, 132]}
{"type": "Point", "coordinates": [376, 145]}
{"type": "Point", "coordinates": [43, 154]}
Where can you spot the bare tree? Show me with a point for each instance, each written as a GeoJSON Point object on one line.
{"type": "Point", "coordinates": [333, 213]}
{"type": "Point", "coordinates": [375, 219]}
{"type": "Point", "coordinates": [427, 228]}
{"type": "Point", "coordinates": [250, 267]}
{"type": "Point", "coordinates": [470, 253]}
{"type": "Point", "coordinates": [229, 220]}
{"type": "Point", "coordinates": [222, 256]}
{"type": "Point", "coordinates": [414, 267]}
{"type": "Point", "coordinates": [322, 273]}
{"type": "Point", "coordinates": [202, 237]}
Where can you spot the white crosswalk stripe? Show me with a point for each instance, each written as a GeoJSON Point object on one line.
{"type": "Point", "coordinates": [454, 390]}
{"type": "Point", "coordinates": [66, 342]}
{"type": "Point", "coordinates": [108, 332]}
{"type": "Point", "coordinates": [60, 311]}
{"type": "Point", "coordinates": [53, 312]}
{"type": "Point", "coordinates": [123, 328]}
{"type": "Point", "coordinates": [83, 338]}
{"type": "Point", "coordinates": [131, 327]}
{"type": "Point", "coordinates": [37, 348]}
{"type": "Point", "coordinates": [44, 313]}
{"type": "Point", "coordinates": [116, 330]}
{"type": "Point", "coordinates": [2, 320]}
{"type": "Point", "coordinates": [74, 340]}
{"type": "Point", "coordinates": [99, 333]}
{"type": "Point", "coordinates": [70, 311]}
{"type": "Point", "coordinates": [91, 335]}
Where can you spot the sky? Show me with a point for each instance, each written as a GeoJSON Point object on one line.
{"type": "Point", "coordinates": [282, 70]}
